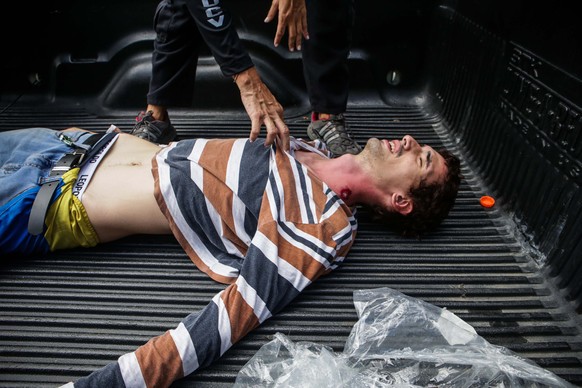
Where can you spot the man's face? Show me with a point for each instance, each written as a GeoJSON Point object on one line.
{"type": "Point", "coordinates": [402, 164]}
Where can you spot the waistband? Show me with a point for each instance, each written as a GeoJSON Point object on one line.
{"type": "Point", "coordinates": [81, 152]}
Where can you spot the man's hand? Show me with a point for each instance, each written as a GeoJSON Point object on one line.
{"type": "Point", "coordinates": [292, 16]}
{"type": "Point", "coordinates": [262, 108]}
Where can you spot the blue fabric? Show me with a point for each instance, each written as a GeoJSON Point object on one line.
{"type": "Point", "coordinates": [109, 376]}
{"type": "Point", "coordinates": [26, 157]}
{"type": "Point", "coordinates": [14, 236]}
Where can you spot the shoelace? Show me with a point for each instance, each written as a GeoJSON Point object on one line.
{"type": "Point", "coordinates": [345, 135]}
{"type": "Point", "coordinates": [146, 130]}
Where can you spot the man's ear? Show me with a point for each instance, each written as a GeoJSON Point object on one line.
{"type": "Point", "coordinates": [401, 203]}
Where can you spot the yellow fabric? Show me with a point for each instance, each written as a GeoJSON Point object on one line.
{"type": "Point", "coordinates": [67, 220]}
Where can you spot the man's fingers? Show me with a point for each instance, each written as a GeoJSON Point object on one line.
{"type": "Point", "coordinates": [281, 22]}
{"type": "Point", "coordinates": [294, 43]}
{"type": "Point", "coordinates": [298, 42]}
{"type": "Point", "coordinates": [255, 129]}
{"type": "Point", "coordinates": [262, 107]}
{"type": "Point", "coordinates": [285, 142]}
{"type": "Point", "coordinates": [282, 133]}
{"type": "Point", "coordinates": [279, 34]}
{"type": "Point", "coordinates": [271, 131]}
{"type": "Point", "coordinates": [304, 27]}
{"type": "Point", "coordinates": [272, 11]}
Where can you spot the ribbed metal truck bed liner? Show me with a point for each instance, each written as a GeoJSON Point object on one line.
{"type": "Point", "coordinates": [65, 315]}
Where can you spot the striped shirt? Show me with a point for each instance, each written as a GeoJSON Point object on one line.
{"type": "Point", "coordinates": [249, 216]}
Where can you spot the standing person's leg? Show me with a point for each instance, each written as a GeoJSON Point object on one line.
{"type": "Point", "coordinates": [325, 54]}
{"type": "Point", "coordinates": [174, 61]}
{"type": "Point", "coordinates": [325, 67]}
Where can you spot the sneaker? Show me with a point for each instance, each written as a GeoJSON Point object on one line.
{"type": "Point", "coordinates": [333, 133]}
{"type": "Point", "coordinates": [150, 129]}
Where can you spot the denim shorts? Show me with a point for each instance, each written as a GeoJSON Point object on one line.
{"type": "Point", "coordinates": [26, 157]}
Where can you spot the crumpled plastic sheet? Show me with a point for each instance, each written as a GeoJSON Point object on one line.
{"type": "Point", "coordinates": [398, 341]}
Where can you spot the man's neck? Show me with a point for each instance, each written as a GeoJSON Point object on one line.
{"type": "Point", "coordinates": [338, 174]}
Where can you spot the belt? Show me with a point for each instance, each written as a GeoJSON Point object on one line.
{"type": "Point", "coordinates": [81, 152]}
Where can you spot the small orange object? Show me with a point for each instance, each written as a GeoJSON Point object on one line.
{"type": "Point", "coordinates": [487, 201]}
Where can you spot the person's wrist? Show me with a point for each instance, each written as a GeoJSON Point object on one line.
{"type": "Point", "coordinates": [246, 77]}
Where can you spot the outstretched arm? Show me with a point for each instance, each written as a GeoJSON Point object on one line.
{"type": "Point", "coordinates": [271, 278]}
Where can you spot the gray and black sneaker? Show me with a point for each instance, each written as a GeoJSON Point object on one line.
{"type": "Point", "coordinates": [152, 130]}
{"type": "Point", "coordinates": [334, 134]}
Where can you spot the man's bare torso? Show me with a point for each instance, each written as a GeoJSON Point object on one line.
{"type": "Point", "coordinates": [120, 197]}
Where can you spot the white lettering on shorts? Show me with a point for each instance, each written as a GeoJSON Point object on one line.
{"type": "Point", "coordinates": [80, 184]}
{"type": "Point", "coordinates": [89, 168]}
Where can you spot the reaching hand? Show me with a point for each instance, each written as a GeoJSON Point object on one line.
{"type": "Point", "coordinates": [292, 16]}
{"type": "Point", "coordinates": [262, 108]}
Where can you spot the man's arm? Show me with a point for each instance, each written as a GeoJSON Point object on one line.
{"type": "Point", "coordinates": [277, 268]}
{"type": "Point", "coordinates": [217, 29]}
{"type": "Point", "coordinates": [262, 108]}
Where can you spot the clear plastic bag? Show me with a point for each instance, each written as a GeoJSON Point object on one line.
{"type": "Point", "coordinates": [398, 341]}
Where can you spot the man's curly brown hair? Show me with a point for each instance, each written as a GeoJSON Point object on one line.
{"type": "Point", "coordinates": [431, 202]}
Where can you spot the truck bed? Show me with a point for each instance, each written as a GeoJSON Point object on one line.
{"type": "Point", "coordinates": [511, 271]}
